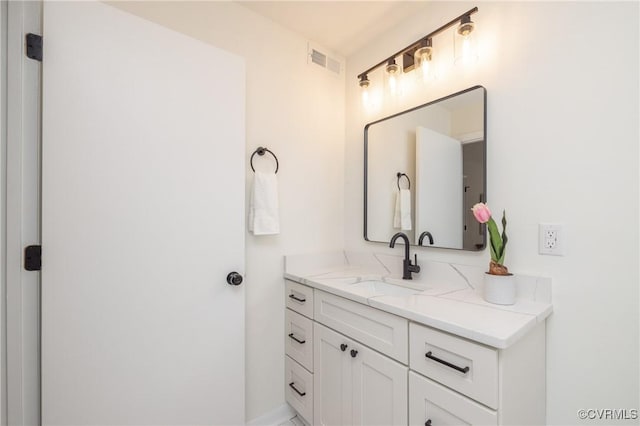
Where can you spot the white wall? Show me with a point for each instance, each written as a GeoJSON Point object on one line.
{"type": "Point", "coordinates": [562, 83]}
{"type": "Point", "coordinates": [297, 111]}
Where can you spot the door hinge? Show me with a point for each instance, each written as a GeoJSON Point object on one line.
{"type": "Point", "coordinates": [33, 258]}
{"type": "Point", "coordinates": [34, 46]}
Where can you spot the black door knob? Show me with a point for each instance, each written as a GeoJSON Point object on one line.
{"type": "Point", "coordinates": [234, 278]}
{"type": "Point", "coordinates": [353, 353]}
{"type": "Point", "coordinates": [343, 347]}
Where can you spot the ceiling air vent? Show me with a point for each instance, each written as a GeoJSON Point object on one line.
{"type": "Point", "coordinates": [318, 58]}
{"type": "Point", "coordinates": [333, 65]}
{"type": "Point", "coordinates": [323, 60]}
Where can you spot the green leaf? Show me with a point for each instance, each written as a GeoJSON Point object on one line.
{"type": "Point", "coordinates": [504, 239]}
{"type": "Point", "coordinates": [495, 240]}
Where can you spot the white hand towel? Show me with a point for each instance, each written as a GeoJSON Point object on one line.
{"type": "Point", "coordinates": [402, 214]}
{"type": "Point", "coordinates": [264, 217]}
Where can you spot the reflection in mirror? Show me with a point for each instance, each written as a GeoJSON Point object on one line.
{"type": "Point", "coordinates": [440, 148]}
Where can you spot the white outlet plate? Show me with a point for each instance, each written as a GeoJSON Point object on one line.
{"type": "Point", "coordinates": [551, 239]}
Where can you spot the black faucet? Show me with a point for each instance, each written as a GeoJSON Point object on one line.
{"type": "Point", "coordinates": [426, 234]}
{"type": "Point", "coordinates": [407, 267]}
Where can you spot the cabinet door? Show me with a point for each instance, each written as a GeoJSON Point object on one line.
{"type": "Point", "coordinates": [379, 389]}
{"type": "Point", "coordinates": [433, 404]}
{"type": "Point", "coordinates": [332, 382]}
{"type": "Point", "coordinates": [355, 385]}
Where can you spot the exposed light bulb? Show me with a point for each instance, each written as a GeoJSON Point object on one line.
{"type": "Point", "coordinates": [422, 59]}
{"type": "Point", "coordinates": [464, 43]}
{"type": "Point", "coordinates": [425, 69]}
{"type": "Point", "coordinates": [364, 84]}
{"type": "Point", "coordinates": [393, 83]}
{"type": "Point", "coordinates": [365, 96]}
{"type": "Point", "coordinates": [393, 73]}
{"type": "Point", "coordinates": [466, 49]}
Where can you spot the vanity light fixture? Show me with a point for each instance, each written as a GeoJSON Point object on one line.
{"type": "Point", "coordinates": [419, 54]}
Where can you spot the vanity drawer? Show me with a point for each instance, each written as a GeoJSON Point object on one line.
{"type": "Point", "coordinates": [299, 389]}
{"type": "Point", "coordinates": [464, 366]}
{"type": "Point", "coordinates": [299, 298]}
{"type": "Point", "coordinates": [384, 332]}
{"type": "Point", "coordinates": [299, 338]}
{"type": "Point", "coordinates": [429, 401]}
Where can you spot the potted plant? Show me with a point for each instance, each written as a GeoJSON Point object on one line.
{"type": "Point", "coordinates": [499, 284]}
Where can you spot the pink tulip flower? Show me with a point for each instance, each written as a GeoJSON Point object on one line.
{"type": "Point", "coordinates": [481, 212]}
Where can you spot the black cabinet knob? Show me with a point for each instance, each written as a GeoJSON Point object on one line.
{"type": "Point", "coordinates": [353, 353]}
{"type": "Point", "coordinates": [343, 347]}
{"type": "Point", "coordinates": [428, 423]}
{"type": "Point", "coordinates": [234, 278]}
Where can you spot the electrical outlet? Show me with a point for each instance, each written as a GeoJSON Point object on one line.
{"type": "Point", "coordinates": [551, 239]}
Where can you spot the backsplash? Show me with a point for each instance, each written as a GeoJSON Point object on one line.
{"type": "Point", "coordinates": [454, 278]}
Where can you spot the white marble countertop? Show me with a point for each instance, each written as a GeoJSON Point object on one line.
{"type": "Point", "coordinates": [443, 295]}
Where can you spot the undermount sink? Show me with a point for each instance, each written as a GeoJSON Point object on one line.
{"type": "Point", "coordinates": [381, 288]}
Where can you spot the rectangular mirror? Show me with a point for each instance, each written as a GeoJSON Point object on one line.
{"type": "Point", "coordinates": [423, 171]}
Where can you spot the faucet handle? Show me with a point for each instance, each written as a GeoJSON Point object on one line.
{"type": "Point", "coordinates": [415, 267]}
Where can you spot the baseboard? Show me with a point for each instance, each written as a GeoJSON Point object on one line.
{"type": "Point", "coordinates": [274, 417]}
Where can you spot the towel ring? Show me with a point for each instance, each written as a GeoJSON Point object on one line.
{"type": "Point", "coordinates": [261, 151]}
{"type": "Point", "coordinates": [408, 180]}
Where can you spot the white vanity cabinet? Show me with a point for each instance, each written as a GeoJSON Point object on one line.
{"type": "Point", "coordinates": [360, 365]}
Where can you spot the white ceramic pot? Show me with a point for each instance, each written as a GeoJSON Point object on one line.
{"type": "Point", "coordinates": [500, 289]}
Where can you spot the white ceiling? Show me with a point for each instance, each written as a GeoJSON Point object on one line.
{"type": "Point", "coordinates": [340, 26]}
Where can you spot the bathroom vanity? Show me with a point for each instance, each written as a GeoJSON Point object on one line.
{"type": "Point", "coordinates": [366, 347]}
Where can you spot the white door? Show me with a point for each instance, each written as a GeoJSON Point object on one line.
{"type": "Point", "coordinates": [143, 217]}
{"type": "Point", "coordinates": [439, 188]}
{"type": "Point", "coordinates": [379, 389]}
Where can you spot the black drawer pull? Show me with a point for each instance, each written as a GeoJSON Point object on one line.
{"type": "Point", "coordinates": [293, 296]}
{"type": "Point", "coordinates": [297, 391]}
{"type": "Point", "coordinates": [353, 353]}
{"type": "Point", "coordinates": [297, 340]}
{"type": "Point", "coordinates": [427, 423]}
{"type": "Point", "coordinates": [343, 347]}
{"type": "Point", "coordinates": [448, 364]}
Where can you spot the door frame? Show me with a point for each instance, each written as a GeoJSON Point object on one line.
{"type": "Point", "coordinates": [21, 116]}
